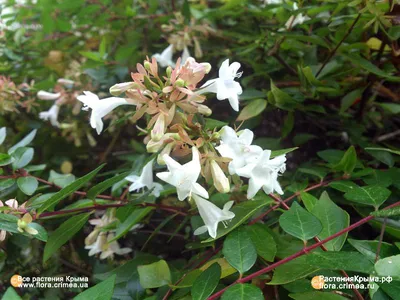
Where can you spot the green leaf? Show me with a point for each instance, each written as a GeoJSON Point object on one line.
{"type": "Point", "coordinates": [11, 294]}
{"type": "Point", "coordinates": [135, 217]}
{"type": "Point", "coordinates": [333, 219]}
{"type": "Point", "coordinates": [101, 291]}
{"type": "Point", "coordinates": [68, 190]}
{"type": "Point", "coordinates": [282, 99]}
{"type": "Point", "coordinates": [186, 11]}
{"type": "Point", "coordinates": [348, 161]}
{"type": "Point", "coordinates": [316, 296]}
{"type": "Point", "coordinates": [63, 234]}
{"type": "Point", "coordinates": [383, 149]}
{"type": "Point", "coordinates": [239, 250]}
{"type": "Point", "coordinates": [154, 275]}
{"type": "Point", "coordinates": [22, 143]}
{"type": "Point", "coordinates": [42, 233]}
{"type": "Point", "coordinates": [276, 153]}
{"type": "Point", "coordinates": [7, 183]}
{"type": "Point", "coordinates": [5, 159]}
{"type": "Point", "coordinates": [101, 187]}
{"type": "Point", "coordinates": [22, 156]}
{"type": "Point", "coordinates": [370, 248]}
{"type": "Point", "coordinates": [389, 266]}
{"type": "Point", "coordinates": [206, 283]}
{"type": "Point", "coordinates": [373, 195]}
{"type": "Point", "coordinates": [28, 185]}
{"type": "Point", "coordinates": [349, 99]}
{"type": "Point", "coordinates": [391, 212]}
{"type": "Point", "coordinates": [242, 211]}
{"type": "Point", "coordinates": [263, 241]}
{"type": "Point", "coordinates": [243, 291]}
{"type": "Point", "coordinates": [292, 270]}
{"type": "Point", "coordinates": [212, 124]}
{"type": "Point", "coordinates": [300, 223]}
{"type": "Point", "coordinates": [254, 108]}
{"type": "Point", "coordinates": [189, 279]}
{"type": "Point", "coordinates": [370, 67]}
{"type": "Point", "coordinates": [350, 261]}
{"type": "Point", "coordinates": [343, 185]}
{"type": "Point", "coordinates": [392, 108]}
{"type": "Point", "coordinates": [308, 200]}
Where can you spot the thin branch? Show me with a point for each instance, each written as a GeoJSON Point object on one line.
{"type": "Point", "coordinates": [302, 252]}
{"type": "Point", "coordinates": [333, 52]}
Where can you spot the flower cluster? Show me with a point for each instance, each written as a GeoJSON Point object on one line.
{"type": "Point", "coordinates": [101, 240]}
{"type": "Point", "coordinates": [11, 96]}
{"type": "Point", "coordinates": [169, 104]}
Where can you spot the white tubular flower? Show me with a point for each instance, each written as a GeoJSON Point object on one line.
{"type": "Point", "coordinates": [299, 19]}
{"type": "Point", "coordinates": [3, 134]}
{"type": "Point", "coordinates": [212, 215]}
{"type": "Point", "coordinates": [66, 82]}
{"type": "Point", "coordinates": [43, 95]}
{"type": "Point", "coordinates": [225, 85]}
{"type": "Point", "coordinates": [145, 180]}
{"type": "Point", "coordinates": [221, 182]}
{"type": "Point", "coordinates": [119, 88]}
{"type": "Point", "coordinates": [52, 115]}
{"type": "Point", "coordinates": [185, 55]}
{"type": "Point", "coordinates": [98, 245]}
{"type": "Point", "coordinates": [238, 148]}
{"type": "Point", "coordinates": [158, 129]}
{"type": "Point", "coordinates": [100, 108]}
{"type": "Point", "coordinates": [165, 58]}
{"type": "Point", "coordinates": [184, 177]}
{"type": "Point", "coordinates": [12, 203]}
{"type": "Point", "coordinates": [263, 173]}
{"type": "Point", "coordinates": [111, 248]}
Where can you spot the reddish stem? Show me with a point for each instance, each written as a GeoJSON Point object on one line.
{"type": "Point", "coordinates": [298, 254]}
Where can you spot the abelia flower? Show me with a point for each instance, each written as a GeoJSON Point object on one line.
{"type": "Point", "coordinates": [52, 115]}
{"type": "Point", "coordinates": [43, 95]}
{"type": "Point", "coordinates": [184, 177]}
{"type": "Point", "coordinates": [212, 215]}
{"type": "Point", "coordinates": [165, 58]}
{"type": "Point", "coordinates": [296, 20]}
{"type": "Point", "coordinates": [263, 173]}
{"type": "Point", "coordinates": [100, 108]}
{"type": "Point", "coordinates": [23, 225]}
{"type": "Point", "coordinates": [220, 180]}
{"type": "Point", "coordinates": [145, 180]}
{"type": "Point", "coordinates": [225, 85]}
{"type": "Point", "coordinates": [238, 148]}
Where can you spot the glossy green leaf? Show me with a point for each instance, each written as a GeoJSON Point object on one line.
{"type": "Point", "coordinates": [22, 156]}
{"type": "Point", "coordinates": [370, 248]}
{"type": "Point", "coordinates": [389, 266]}
{"type": "Point", "coordinates": [243, 291]}
{"type": "Point", "coordinates": [333, 219]}
{"type": "Point", "coordinates": [206, 283]}
{"type": "Point", "coordinates": [239, 250]}
{"type": "Point", "coordinates": [135, 217]}
{"type": "Point", "coordinates": [348, 161]}
{"type": "Point", "coordinates": [24, 142]}
{"type": "Point", "coordinates": [369, 195]}
{"type": "Point", "coordinates": [68, 190]}
{"type": "Point", "coordinates": [154, 275]}
{"type": "Point", "coordinates": [11, 294]}
{"type": "Point", "coordinates": [101, 187]}
{"type": "Point", "coordinates": [300, 223]}
{"type": "Point", "coordinates": [101, 291]}
{"type": "Point", "coordinates": [28, 185]}
{"type": "Point", "coordinates": [254, 108]}
{"type": "Point", "coordinates": [63, 234]}
{"type": "Point", "coordinates": [263, 241]}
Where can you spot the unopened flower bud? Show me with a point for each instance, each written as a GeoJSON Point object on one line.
{"type": "Point", "coordinates": [167, 150]}
{"type": "Point", "coordinates": [154, 146]}
{"type": "Point", "coordinates": [119, 88]}
{"type": "Point", "coordinates": [180, 82]}
{"type": "Point", "coordinates": [204, 110]}
{"type": "Point", "coordinates": [43, 95]}
{"type": "Point", "coordinates": [159, 128]}
{"type": "Point", "coordinates": [147, 65]}
{"type": "Point", "coordinates": [66, 82]}
{"type": "Point", "coordinates": [91, 238]}
{"type": "Point", "coordinates": [221, 182]}
{"type": "Point", "coordinates": [169, 71]}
